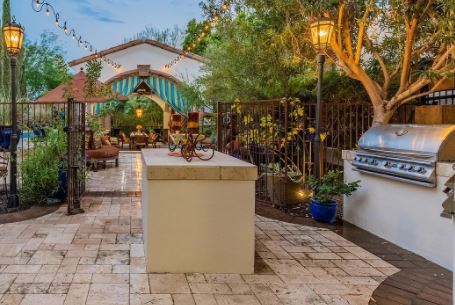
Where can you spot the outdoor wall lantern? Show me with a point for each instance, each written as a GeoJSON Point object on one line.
{"type": "Point", "coordinates": [321, 35]}
{"type": "Point", "coordinates": [13, 36]}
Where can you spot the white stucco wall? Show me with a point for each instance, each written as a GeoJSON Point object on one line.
{"type": "Point", "coordinates": [145, 54]}
{"type": "Point", "coordinates": [405, 214]}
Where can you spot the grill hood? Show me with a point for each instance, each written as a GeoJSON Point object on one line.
{"type": "Point", "coordinates": [426, 141]}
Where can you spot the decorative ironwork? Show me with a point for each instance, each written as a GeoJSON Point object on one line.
{"type": "Point", "coordinates": [33, 121]}
{"type": "Point", "coordinates": [191, 146]}
{"type": "Point", "coordinates": [278, 137]}
{"type": "Point", "coordinates": [191, 143]}
{"type": "Point", "coordinates": [76, 156]}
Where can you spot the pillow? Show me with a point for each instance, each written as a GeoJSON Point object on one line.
{"type": "Point", "coordinates": [88, 143]}
{"type": "Point", "coordinates": [105, 140]}
{"type": "Point", "coordinates": [114, 141]}
{"type": "Point", "coordinates": [97, 142]}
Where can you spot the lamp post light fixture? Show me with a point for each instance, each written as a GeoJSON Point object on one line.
{"type": "Point", "coordinates": [321, 35]}
{"type": "Point", "coordinates": [13, 35]}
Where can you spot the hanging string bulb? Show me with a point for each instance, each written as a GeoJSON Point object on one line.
{"type": "Point", "coordinates": [40, 5]}
{"type": "Point", "coordinates": [208, 25]}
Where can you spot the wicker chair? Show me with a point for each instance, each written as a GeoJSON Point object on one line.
{"type": "Point", "coordinates": [153, 139]}
{"type": "Point", "coordinates": [4, 162]}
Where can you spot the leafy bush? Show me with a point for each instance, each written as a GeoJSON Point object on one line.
{"type": "Point", "coordinates": [40, 170]}
{"type": "Point", "coordinates": [331, 185]}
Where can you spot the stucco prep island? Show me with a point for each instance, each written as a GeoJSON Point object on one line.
{"type": "Point", "coordinates": [198, 216]}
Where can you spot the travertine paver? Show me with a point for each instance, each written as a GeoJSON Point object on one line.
{"type": "Point", "coordinates": [98, 258]}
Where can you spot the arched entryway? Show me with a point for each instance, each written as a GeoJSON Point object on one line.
{"type": "Point", "coordinates": [159, 87]}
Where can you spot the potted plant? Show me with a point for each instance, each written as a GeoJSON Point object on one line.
{"type": "Point", "coordinates": [323, 206]}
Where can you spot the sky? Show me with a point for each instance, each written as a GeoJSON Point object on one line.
{"type": "Point", "coordinates": [104, 23]}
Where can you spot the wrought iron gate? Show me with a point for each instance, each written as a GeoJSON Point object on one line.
{"type": "Point", "coordinates": [33, 121]}
{"type": "Point", "coordinates": [277, 136]}
{"type": "Point", "coordinates": [76, 156]}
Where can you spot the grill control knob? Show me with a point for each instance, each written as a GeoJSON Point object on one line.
{"type": "Point", "coordinates": [371, 161]}
{"type": "Point", "coordinates": [402, 166]}
{"type": "Point", "coordinates": [387, 164]}
{"type": "Point", "coordinates": [409, 167]}
{"type": "Point", "coordinates": [420, 169]}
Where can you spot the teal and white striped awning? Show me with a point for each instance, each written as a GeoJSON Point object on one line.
{"type": "Point", "coordinates": [164, 88]}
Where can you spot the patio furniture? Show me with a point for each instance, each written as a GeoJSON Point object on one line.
{"type": "Point", "coordinates": [124, 140]}
{"type": "Point", "coordinates": [199, 216]}
{"type": "Point", "coordinates": [138, 141]}
{"type": "Point", "coordinates": [103, 153]}
{"type": "Point", "coordinates": [4, 162]}
{"type": "Point", "coordinates": [153, 139]}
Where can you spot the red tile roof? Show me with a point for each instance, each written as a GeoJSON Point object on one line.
{"type": "Point", "coordinates": [58, 95]}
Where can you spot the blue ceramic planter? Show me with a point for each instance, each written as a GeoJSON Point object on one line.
{"type": "Point", "coordinates": [63, 184]}
{"type": "Point", "coordinates": [5, 138]}
{"type": "Point", "coordinates": [326, 212]}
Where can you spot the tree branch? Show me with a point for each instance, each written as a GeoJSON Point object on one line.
{"type": "Point", "coordinates": [415, 96]}
{"type": "Point", "coordinates": [347, 37]}
{"type": "Point", "coordinates": [340, 20]}
{"type": "Point", "coordinates": [381, 62]}
{"type": "Point", "coordinates": [407, 56]}
{"type": "Point", "coordinates": [362, 27]}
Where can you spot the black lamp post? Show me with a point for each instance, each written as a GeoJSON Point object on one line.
{"type": "Point", "coordinates": [13, 34]}
{"type": "Point", "coordinates": [321, 33]}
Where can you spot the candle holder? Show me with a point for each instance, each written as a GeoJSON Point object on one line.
{"type": "Point", "coordinates": [176, 126]}
{"type": "Point", "coordinates": [193, 122]}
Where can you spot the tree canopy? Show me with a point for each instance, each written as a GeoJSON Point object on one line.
{"type": "Point", "coordinates": [44, 65]}
{"type": "Point", "coordinates": [170, 36]}
{"type": "Point", "coordinates": [389, 52]}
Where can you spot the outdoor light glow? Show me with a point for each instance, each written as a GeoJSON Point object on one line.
{"type": "Point", "coordinates": [139, 113]}
{"type": "Point", "coordinates": [208, 25]}
{"type": "Point", "coordinates": [13, 34]}
{"type": "Point", "coordinates": [321, 33]}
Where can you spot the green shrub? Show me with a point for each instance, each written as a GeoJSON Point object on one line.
{"type": "Point", "coordinates": [330, 186]}
{"type": "Point", "coordinates": [40, 169]}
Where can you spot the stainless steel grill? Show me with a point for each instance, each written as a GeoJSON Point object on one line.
{"type": "Point", "coordinates": [407, 153]}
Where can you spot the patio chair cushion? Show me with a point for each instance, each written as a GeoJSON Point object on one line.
{"type": "Point", "coordinates": [103, 153]}
{"type": "Point", "coordinates": [105, 140]}
{"type": "Point", "coordinates": [97, 142]}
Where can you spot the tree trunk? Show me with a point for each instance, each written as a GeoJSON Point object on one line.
{"type": "Point", "coordinates": [381, 115]}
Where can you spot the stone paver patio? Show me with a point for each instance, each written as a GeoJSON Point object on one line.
{"type": "Point", "coordinates": [98, 258]}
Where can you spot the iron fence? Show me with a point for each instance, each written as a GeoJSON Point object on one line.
{"type": "Point", "coordinates": [277, 136]}
{"type": "Point", "coordinates": [33, 120]}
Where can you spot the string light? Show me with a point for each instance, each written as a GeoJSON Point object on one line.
{"type": "Point", "coordinates": [39, 5]}
{"type": "Point", "coordinates": [208, 25]}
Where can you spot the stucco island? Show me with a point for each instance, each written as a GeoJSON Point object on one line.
{"type": "Point", "coordinates": [198, 216]}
